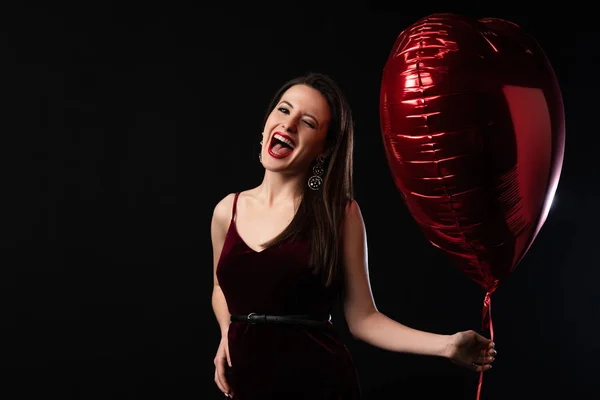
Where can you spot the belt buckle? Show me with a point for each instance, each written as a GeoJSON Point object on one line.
{"type": "Point", "coordinates": [250, 320]}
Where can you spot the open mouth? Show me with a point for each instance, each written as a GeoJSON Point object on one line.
{"type": "Point", "coordinates": [281, 145]}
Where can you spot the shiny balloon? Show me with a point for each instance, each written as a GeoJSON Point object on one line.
{"type": "Point", "coordinates": [473, 128]}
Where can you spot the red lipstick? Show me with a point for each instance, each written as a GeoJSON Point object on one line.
{"type": "Point", "coordinates": [278, 148]}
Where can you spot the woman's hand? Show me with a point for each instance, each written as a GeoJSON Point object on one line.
{"type": "Point", "coordinates": [471, 350]}
{"type": "Point", "coordinates": [221, 358]}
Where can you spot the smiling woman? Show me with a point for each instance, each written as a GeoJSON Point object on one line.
{"type": "Point", "coordinates": [281, 144]}
{"type": "Point", "coordinates": [307, 138]}
{"type": "Point", "coordinates": [286, 250]}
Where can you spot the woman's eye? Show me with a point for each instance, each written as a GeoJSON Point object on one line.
{"type": "Point", "coordinates": [286, 111]}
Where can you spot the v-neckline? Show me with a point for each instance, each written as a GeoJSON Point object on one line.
{"type": "Point", "coordinates": [237, 232]}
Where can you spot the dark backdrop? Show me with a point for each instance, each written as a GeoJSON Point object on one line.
{"type": "Point", "coordinates": [122, 127]}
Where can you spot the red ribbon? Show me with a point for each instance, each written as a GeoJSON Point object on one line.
{"type": "Point", "coordinates": [486, 323]}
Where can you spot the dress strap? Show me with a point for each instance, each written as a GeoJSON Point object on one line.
{"type": "Point", "coordinates": [234, 205]}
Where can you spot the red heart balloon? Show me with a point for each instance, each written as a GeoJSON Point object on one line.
{"type": "Point", "coordinates": [473, 128]}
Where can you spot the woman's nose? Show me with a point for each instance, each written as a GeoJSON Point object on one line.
{"type": "Point", "coordinates": [290, 125]}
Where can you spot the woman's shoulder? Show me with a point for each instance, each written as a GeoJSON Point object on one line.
{"type": "Point", "coordinates": [223, 209]}
{"type": "Point", "coordinates": [352, 207]}
{"type": "Point", "coordinates": [353, 217]}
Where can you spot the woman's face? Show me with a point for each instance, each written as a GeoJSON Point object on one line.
{"type": "Point", "coordinates": [295, 131]}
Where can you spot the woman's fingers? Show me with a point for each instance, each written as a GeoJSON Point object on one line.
{"type": "Point", "coordinates": [488, 353]}
{"type": "Point", "coordinates": [218, 382]}
{"type": "Point", "coordinates": [484, 360]}
{"type": "Point", "coordinates": [478, 367]}
{"type": "Point", "coordinates": [220, 379]}
{"type": "Point", "coordinates": [228, 356]}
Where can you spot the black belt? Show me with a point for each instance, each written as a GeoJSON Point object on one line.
{"type": "Point", "coordinates": [305, 320]}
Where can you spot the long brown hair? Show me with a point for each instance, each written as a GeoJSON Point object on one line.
{"type": "Point", "coordinates": [321, 212]}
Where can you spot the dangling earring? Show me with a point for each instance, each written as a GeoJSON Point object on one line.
{"type": "Point", "coordinates": [260, 152]}
{"type": "Point", "coordinates": [315, 181]}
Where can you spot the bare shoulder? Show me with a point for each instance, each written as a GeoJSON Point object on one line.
{"type": "Point", "coordinates": [353, 214]}
{"type": "Point", "coordinates": [222, 211]}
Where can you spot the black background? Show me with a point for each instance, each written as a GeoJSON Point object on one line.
{"type": "Point", "coordinates": [123, 126]}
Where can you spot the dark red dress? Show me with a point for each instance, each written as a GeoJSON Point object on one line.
{"type": "Point", "coordinates": [281, 361]}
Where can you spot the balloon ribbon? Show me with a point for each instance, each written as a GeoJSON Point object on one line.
{"type": "Point", "coordinates": [486, 323]}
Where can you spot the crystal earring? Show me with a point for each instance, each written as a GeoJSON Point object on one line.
{"type": "Point", "coordinates": [315, 181]}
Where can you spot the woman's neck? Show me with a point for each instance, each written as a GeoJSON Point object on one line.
{"type": "Point", "coordinates": [277, 188]}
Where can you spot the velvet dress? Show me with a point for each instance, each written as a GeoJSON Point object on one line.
{"type": "Point", "coordinates": [274, 360]}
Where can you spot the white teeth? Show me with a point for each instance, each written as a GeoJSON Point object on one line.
{"type": "Point", "coordinates": [284, 140]}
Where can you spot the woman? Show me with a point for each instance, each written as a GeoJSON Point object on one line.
{"type": "Point", "coordinates": [287, 249]}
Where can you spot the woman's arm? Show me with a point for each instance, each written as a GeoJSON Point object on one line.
{"type": "Point", "coordinates": [219, 225]}
{"type": "Point", "coordinates": [218, 231]}
{"type": "Point", "coordinates": [364, 321]}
